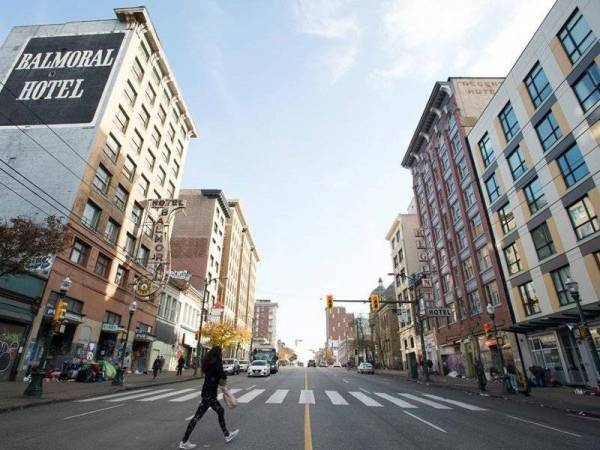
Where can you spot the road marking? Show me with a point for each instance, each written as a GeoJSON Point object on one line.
{"type": "Point", "coordinates": [307, 429]}
{"type": "Point", "coordinates": [249, 396]}
{"type": "Point", "coordinates": [278, 396]}
{"type": "Point", "coordinates": [336, 398]}
{"type": "Point", "coordinates": [168, 394]}
{"type": "Point", "coordinates": [307, 396]}
{"type": "Point", "coordinates": [233, 391]}
{"type": "Point", "coordinates": [395, 401]}
{"type": "Point", "coordinates": [424, 421]}
{"type": "Point", "coordinates": [365, 399]}
{"type": "Point", "coordinates": [425, 401]}
{"type": "Point", "coordinates": [345, 381]}
{"type": "Point", "coordinates": [251, 387]}
{"type": "Point", "coordinates": [456, 402]}
{"type": "Point", "coordinates": [103, 397]}
{"type": "Point", "coordinates": [364, 390]}
{"type": "Point", "coordinates": [544, 426]}
{"type": "Point", "coordinates": [185, 398]}
{"type": "Point", "coordinates": [131, 397]}
{"type": "Point", "coordinates": [91, 412]}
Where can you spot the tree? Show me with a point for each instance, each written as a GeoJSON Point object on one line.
{"type": "Point", "coordinates": [225, 335]}
{"type": "Point", "coordinates": [22, 239]}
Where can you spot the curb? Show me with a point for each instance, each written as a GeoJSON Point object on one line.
{"type": "Point", "coordinates": [83, 396]}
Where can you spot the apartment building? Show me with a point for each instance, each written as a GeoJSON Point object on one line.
{"type": "Point", "coordinates": [92, 125]}
{"type": "Point", "coordinates": [462, 269]}
{"type": "Point", "coordinates": [536, 153]}
{"type": "Point", "coordinates": [264, 330]}
{"type": "Point", "coordinates": [339, 326]}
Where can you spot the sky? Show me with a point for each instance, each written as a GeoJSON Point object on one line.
{"type": "Point", "coordinates": [304, 110]}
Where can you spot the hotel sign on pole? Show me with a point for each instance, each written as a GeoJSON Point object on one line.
{"type": "Point", "coordinates": [58, 80]}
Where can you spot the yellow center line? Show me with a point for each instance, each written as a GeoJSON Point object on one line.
{"type": "Point", "coordinates": [307, 431]}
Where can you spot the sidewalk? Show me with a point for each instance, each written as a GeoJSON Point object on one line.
{"type": "Point", "coordinates": [11, 392]}
{"type": "Point", "coordinates": [563, 398]}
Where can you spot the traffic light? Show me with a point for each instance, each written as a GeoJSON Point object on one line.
{"type": "Point", "coordinates": [374, 300]}
{"type": "Point", "coordinates": [329, 302]}
{"type": "Point", "coordinates": [60, 310]}
{"type": "Point", "coordinates": [488, 327]}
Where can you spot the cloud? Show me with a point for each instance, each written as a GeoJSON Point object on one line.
{"type": "Point", "coordinates": [330, 20]}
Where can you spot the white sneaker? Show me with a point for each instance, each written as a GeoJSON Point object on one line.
{"type": "Point", "coordinates": [231, 436]}
{"type": "Point", "coordinates": [186, 445]}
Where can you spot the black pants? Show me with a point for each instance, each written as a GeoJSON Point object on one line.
{"type": "Point", "coordinates": [202, 408]}
{"type": "Point", "coordinates": [179, 370]}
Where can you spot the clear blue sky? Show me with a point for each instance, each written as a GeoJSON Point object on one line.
{"type": "Point", "coordinates": [304, 110]}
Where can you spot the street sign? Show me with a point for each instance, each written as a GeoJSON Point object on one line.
{"type": "Point", "coordinates": [438, 312]}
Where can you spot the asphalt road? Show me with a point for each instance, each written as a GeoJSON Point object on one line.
{"type": "Point", "coordinates": [316, 408]}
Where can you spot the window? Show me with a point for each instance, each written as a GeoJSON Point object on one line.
{"type": "Point", "coordinates": [137, 141]}
{"type": "Point", "coordinates": [469, 196]}
{"type": "Point", "coordinates": [474, 303]}
{"type": "Point", "coordinates": [537, 85]}
{"type": "Point", "coordinates": [121, 197]}
{"type": "Point", "coordinates": [143, 53]}
{"type": "Point", "coordinates": [144, 116]}
{"type": "Point", "coordinates": [179, 148]}
{"type": "Point", "coordinates": [517, 163]}
{"type": "Point", "coordinates": [138, 70]}
{"type": "Point", "coordinates": [468, 269]}
{"type": "Point", "coordinates": [456, 143]}
{"type": "Point", "coordinates": [162, 114]}
{"type": "Point", "coordinates": [130, 245]}
{"type": "Point", "coordinates": [175, 169]}
{"type": "Point", "coordinates": [112, 231]}
{"type": "Point", "coordinates": [462, 241]}
{"type": "Point", "coordinates": [171, 132]}
{"type": "Point", "coordinates": [461, 169]}
{"type": "Point", "coordinates": [156, 76]}
{"type": "Point", "coordinates": [130, 93]}
{"type": "Point", "coordinates": [491, 294]}
{"type": "Point", "coordinates": [583, 218]}
{"type": "Point", "coordinates": [143, 185]}
{"type": "Point", "coordinates": [587, 87]}
{"type": "Point", "coordinates": [542, 241]}
{"type": "Point", "coordinates": [171, 190]}
{"type": "Point", "coordinates": [559, 278]}
{"type": "Point", "coordinates": [513, 261]}
{"type": "Point", "coordinates": [576, 36]}
{"type": "Point", "coordinates": [451, 124]}
{"type": "Point", "coordinates": [149, 161]}
{"type": "Point", "coordinates": [529, 298]}
{"type": "Point", "coordinates": [508, 121]}
{"type": "Point", "coordinates": [79, 252]}
{"type": "Point", "coordinates": [121, 276]}
{"type": "Point", "coordinates": [111, 317]}
{"type": "Point", "coordinates": [444, 158]}
{"type": "Point", "coordinates": [486, 150]}
{"type": "Point", "coordinates": [572, 166]}
{"type": "Point", "coordinates": [456, 212]}
{"type": "Point", "coordinates": [492, 187]}
{"type": "Point", "coordinates": [156, 136]}
{"type": "Point", "coordinates": [535, 196]}
{"type": "Point", "coordinates": [150, 95]}
{"type": "Point", "coordinates": [143, 255]}
{"type": "Point", "coordinates": [102, 179]}
{"type": "Point", "coordinates": [149, 226]}
{"type": "Point", "coordinates": [112, 148]}
{"type": "Point", "coordinates": [161, 176]}
{"type": "Point", "coordinates": [91, 215]}
{"type": "Point", "coordinates": [476, 226]}
{"type": "Point", "coordinates": [102, 265]}
{"type": "Point", "coordinates": [129, 168]}
{"type": "Point", "coordinates": [121, 119]}
{"type": "Point", "coordinates": [166, 154]}
{"type": "Point", "coordinates": [548, 131]}
{"type": "Point", "coordinates": [136, 213]}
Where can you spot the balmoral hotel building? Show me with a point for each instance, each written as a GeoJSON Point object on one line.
{"type": "Point", "coordinates": [536, 154]}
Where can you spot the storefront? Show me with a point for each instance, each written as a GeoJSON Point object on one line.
{"type": "Point", "coordinates": [108, 343]}
{"type": "Point", "coordinates": [142, 344]}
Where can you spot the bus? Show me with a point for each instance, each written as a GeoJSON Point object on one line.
{"type": "Point", "coordinates": [268, 354]}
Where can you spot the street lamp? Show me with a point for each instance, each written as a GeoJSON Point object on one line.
{"type": "Point", "coordinates": [119, 376]}
{"type": "Point", "coordinates": [506, 386]}
{"type": "Point", "coordinates": [584, 331]}
{"type": "Point", "coordinates": [413, 280]}
{"type": "Point", "coordinates": [35, 387]}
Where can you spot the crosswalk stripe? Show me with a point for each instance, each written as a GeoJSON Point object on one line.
{"type": "Point", "coordinates": [365, 399]}
{"type": "Point", "coordinates": [233, 391]}
{"type": "Point", "coordinates": [425, 401]}
{"type": "Point", "coordinates": [307, 397]}
{"type": "Point", "coordinates": [131, 397]}
{"type": "Point", "coordinates": [336, 398]}
{"type": "Point", "coordinates": [168, 394]}
{"type": "Point", "coordinates": [278, 396]}
{"type": "Point", "coordinates": [249, 396]}
{"type": "Point", "coordinates": [104, 397]}
{"type": "Point", "coordinates": [395, 401]}
{"type": "Point", "coordinates": [187, 397]}
{"type": "Point", "coordinates": [456, 402]}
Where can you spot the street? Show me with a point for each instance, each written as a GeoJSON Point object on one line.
{"type": "Point", "coordinates": [319, 408]}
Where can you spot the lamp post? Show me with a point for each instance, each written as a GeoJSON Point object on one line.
{"type": "Point", "coordinates": [584, 331]}
{"type": "Point", "coordinates": [35, 387]}
{"type": "Point", "coordinates": [506, 386]}
{"type": "Point", "coordinates": [199, 344]}
{"type": "Point", "coordinates": [120, 375]}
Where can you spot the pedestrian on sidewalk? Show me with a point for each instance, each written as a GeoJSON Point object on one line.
{"type": "Point", "coordinates": [162, 363]}
{"type": "Point", "coordinates": [180, 364]}
{"type": "Point", "coordinates": [480, 371]}
{"type": "Point", "coordinates": [155, 367]}
{"type": "Point", "coordinates": [212, 368]}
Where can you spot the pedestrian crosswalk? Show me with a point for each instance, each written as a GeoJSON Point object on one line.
{"type": "Point", "coordinates": [363, 397]}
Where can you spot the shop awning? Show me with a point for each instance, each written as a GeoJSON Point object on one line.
{"type": "Point", "coordinates": [14, 310]}
{"type": "Point", "coordinates": [559, 319]}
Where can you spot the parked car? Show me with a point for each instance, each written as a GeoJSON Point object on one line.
{"type": "Point", "coordinates": [366, 368]}
{"type": "Point", "coordinates": [337, 364]}
{"type": "Point", "coordinates": [300, 364]}
{"type": "Point", "coordinates": [231, 366]}
{"type": "Point", "coordinates": [312, 363]}
{"type": "Point", "coordinates": [243, 365]}
{"type": "Point", "coordinates": [323, 364]}
{"type": "Point", "coordinates": [259, 368]}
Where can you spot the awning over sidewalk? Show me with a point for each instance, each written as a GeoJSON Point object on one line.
{"type": "Point", "coordinates": [559, 319]}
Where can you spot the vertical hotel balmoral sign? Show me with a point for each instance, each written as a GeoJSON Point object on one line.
{"type": "Point", "coordinates": [160, 263]}
{"type": "Point", "coordinates": [58, 80]}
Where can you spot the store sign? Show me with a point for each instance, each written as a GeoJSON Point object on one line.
{"type": "Point", "coordinates": [40, 265]}
{"type": "Point", "coordinates": [160, 262]}
{"type": "Point", "coordinates": [180, 275]}
{"type": "Point", "coordinates": [438, 312]}
{"type": "Point", "coordinates": [59, 80]}
{"type": "Point", "coordinates": [111, 327]}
